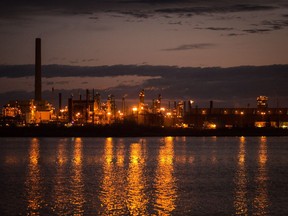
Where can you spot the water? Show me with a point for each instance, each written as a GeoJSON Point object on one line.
{"type": "Point", "coordinates": [144, 176]}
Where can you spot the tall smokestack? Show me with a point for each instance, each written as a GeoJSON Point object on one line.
{"type": "Point", "coordinates": [60, 101]}
{"type": "Point", "coordinates": [38, 70]}
{"type": "Point", "coordinates": [123, 105]}
{"type": "Point", "coordinates": [211, 107]}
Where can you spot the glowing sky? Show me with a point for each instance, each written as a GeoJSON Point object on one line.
{"type": "Point", "coordinates": [183, 33]}
{"type": "Point", "coordinates": [158, 43]}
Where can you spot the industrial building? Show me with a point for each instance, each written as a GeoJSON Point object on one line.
{"type": "Point", "coordinates": [92, 111]}
{"type": "Point", "coordinates": [33, 111]}
{"type": "Point", "coordinates": [179, 115]}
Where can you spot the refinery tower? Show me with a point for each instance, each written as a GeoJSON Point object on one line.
{"type": "Point", "coordinates": [38, 70]}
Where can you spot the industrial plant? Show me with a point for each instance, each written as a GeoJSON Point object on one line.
{"type": "Point", "coordinates": [92, 110]}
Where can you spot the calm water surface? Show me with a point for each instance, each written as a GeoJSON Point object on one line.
{"type": "Point", "coordinates": [144, 176]}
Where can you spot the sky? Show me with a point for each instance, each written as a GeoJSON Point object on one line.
{"type": "Point", "coordinates": [165, 36]}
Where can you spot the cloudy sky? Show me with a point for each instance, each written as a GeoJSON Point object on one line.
{"type": "Point", "coordinates": [162, 35]}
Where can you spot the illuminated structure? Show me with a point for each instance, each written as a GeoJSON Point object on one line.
{"type": "Point", "coordinates": [11, 110]}
{"type": "Point", "coordinates": [156, 105]}
{"type": "Point", "coordinates": [209, 118]}
{"type": "Point", "coordinates": [262, 116]}
{"type": "Point", "coordinates": [262, 102]}
{"type": "Point", "coordinates": [142, 96]}
{"type": "Point", "coordinates": [33, 111]}
{"type": "Point", "coordinates": [93, 111]}
{"type": "Point", "coordinates": [28, 112]}
{"type": "Point", "coordinates": [11, 114]}
{"type": "Point", "coordinates": [41, 111]}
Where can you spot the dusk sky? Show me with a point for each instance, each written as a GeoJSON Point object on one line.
{"type": "Point", "coordinates": [172, 34]}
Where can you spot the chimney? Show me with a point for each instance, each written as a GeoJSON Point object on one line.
{"type": "Point", "coordinates": [211, 107]}
{"type": "Point", "coordinates": [123, 105]}
{"type": "Point", "coordinates": [211, 104]}
{"type": "Point", "coordinates": [38, 70]}
{"type": "Point", "coordinates": [60, 101]}
{"type": "Point", "coordinates": [70, 109]}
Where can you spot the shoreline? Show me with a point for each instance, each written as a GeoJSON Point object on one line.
{"type": "Point", "coordinates": [133, 131]}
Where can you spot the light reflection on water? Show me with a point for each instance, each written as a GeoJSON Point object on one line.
{"type": "Point", "coordinates": [165, 187]}
{"type": "Point", "coordinates": [143, 176]}
{"type": "Point", "coordinates": [60, 194]}
{"type": "Point", "coordinates": [112, 194]}
{"type": "Point", "coordinates": [261, 200]}
{"type": "Point", "coordinates": [241, 181]}
{"type": "Point", "coordinates": [77, 185]}
{"type": "Point", "coordinates": [136, 199]}
{"type": "Point", "coordinates": [33, 181]}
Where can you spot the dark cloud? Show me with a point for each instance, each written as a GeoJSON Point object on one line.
{"type": "Point", "coordinates": [89, 60]}
{"type": "Point", "coordinates": [94, 17]}
{"type": "Point", "coordinates": [216, 9]}
{"type": "Point", "coordinates": [139, 9]}
{"type": "Point", "coordinates": [229, 86]}
{"type": "Point", "coordinates": [190, 46]}
{"type": "Point", "coordinates": [138, 15]}
{"type": "Point", "coordinates": [254, 31]}
{"type": "Point", "coordinates": [175, 23]}
{"type": "Point", "coordinates": [74, 62]}
{"type": "Point", "coordinates": [275, 24]}
{"type": "Point", "coordinates": [268, 26]}
{"type": "Point", "coordinates": [219, 29]}
{"type": "Point", "coordinates": [234, 34]}
{"type": "Point", "coordinates": [216, 28]}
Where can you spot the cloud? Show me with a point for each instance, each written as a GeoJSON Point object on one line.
{"type": "Point", "coordinates": [234, 34]}
{"type": "Point", "coordinates": [275, 24]}
{"type": "Point", "coordinates": [254, 31]}
{"type": "Point", "coordinates": [217, 28]}
{"type": "Point", "coordinates": [94, 17]}
{"type": "Point", "coordinates": [137, 8]}
{"type": "Point", "coordinates": [175, 23]}
{"type": "Point", "coordinates": [89, 60]}
{"type": "Point", "coordinates": [216, 9]}
{"type": "Point", "coordinates": [190, 46]}
{"type": "Point", "coordinates": [136, 14]}
{"type": "Point", "coordinates": [266, 26]}
{"type": "Point", "coordinates": [74, 62]}
{"type": "Point", "coordinates": [233, 86]}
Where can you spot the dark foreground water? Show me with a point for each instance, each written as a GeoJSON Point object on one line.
{"type": "Point", "coordinates": [144, 176]}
